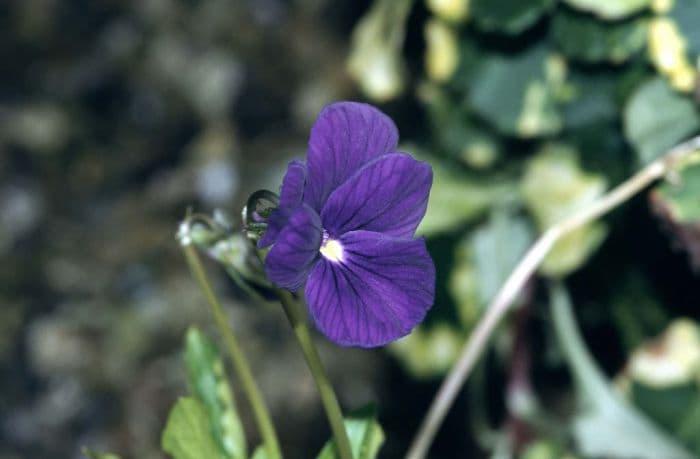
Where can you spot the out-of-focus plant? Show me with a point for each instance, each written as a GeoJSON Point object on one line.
{"type": "Point", "coordinates": [542, 116]}
{"type": "Point", "coordinates": [535, 109]}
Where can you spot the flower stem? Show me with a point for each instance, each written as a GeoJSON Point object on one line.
{"type": "Point", "coordinates": [313, 360]}
{"type": "Point", "coordinates": [238, 359]}
{"type": "Point", "coordinates": [671, 162]}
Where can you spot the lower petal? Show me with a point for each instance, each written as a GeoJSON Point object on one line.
{"type": "Point", "coordinates": [296, 249]}
{"type": "Point", "coordinates": [378, 292]}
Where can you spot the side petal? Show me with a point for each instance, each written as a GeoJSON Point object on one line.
{"type": "Point", "coordinates": [291, 195]}
{"type": "Point", "coordinates": [388, 195]}
{"type": "Point", "coordinates": [295, 251]}
{"type": "Point", "coordinates": [346, 135]}
{"type": "Point", "coordinates": [292, 191]}
{"type": "Point", "coordinates": [379, 292]}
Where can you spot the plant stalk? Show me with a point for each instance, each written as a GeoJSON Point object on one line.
{"type": "Point", "coordinates": [238, 359]}
{"type": "Point", "coordinates": [313, 360]}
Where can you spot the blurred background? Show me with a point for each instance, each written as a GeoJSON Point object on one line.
{"type": "Point", "coordinates": [116, 116]}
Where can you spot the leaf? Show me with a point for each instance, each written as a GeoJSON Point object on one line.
{"type": "Point", "coordinates": [429, 351]}
{"type": "Point", "coordinates": [508, 16]}
{"type": "Point", "coordinates": [678, 206]}
{"type": "Point", "coordinates": [187, 434]}
{"type": "Point", "coordinates": [656, 118]}
{"type": "Point", "coordinates": [682, 195]}
{"type": "Point", "coordinates": [610, 9]}
{"type": "Point", "coordinates": [554, 186]}
{"type": "Point", "coordinates": [205, 371]}
{"type": "Point", "coordinates": [456, 200]}
{"type": "Point", "coordinates": [606, 425]}
{"type": "Point", "coordinates": [260, 453]}
{"type": "Point", "coordinates": [518, 93]}
{"type": "Point", "coordinates": [584, 38]}
{"type": "Point", "coordinates": [497, 246]}
{"type": "Point", "coordinates": [662, 380]}
{"type": "Point", "coordinates": [461, 138]}
{"type": "Point", "coordinates": [441, 50]}
{"type": "Point", "coordinates": [365, 434]}
{"type": "Point", "coordinates": [483, 260]}
{"type": "Point", "coordinates": [665, 405]}
{"type": "Point", "coordinates": [686, 15]}
{"type": "Point", "coordinates": [592, 100]}
{"type": "Point", "coordinates": [375, 61]}
{"type": "Point", "coordinates": [95, 455]}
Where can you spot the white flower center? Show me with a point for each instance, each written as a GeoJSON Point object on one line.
{"type": "Point", "coordinates": [332, 250]}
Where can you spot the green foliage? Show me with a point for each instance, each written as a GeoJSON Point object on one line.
{"type": "Point", "coordinates": [606, 426]}
{"type": "Point", "coordinates": [551, 105]}
{"type": "Point", "coordinates": [90, 454]}
{"type": "Point", "coordinates": [686, 15]}
{"type": "Point", "coordinates": [519, 94]}
{"type": "Point", "coordinates": [205, 425]}
{"type": "Point", "coordinates": [455, 200]}
{"type": "Point", "coordinates": [657, 117]}
{"type": "Point", "coordinates": [662, 379]}
{"type": "Point", "coordinates": [187, 434]}
{"type": "Point", "coordinates": [681, 198]}
{"type": "Point", "coordinates": [205, 371]}
{"type": "Point", "coordinates": [365, 434]}
{"type": "Point", "coordinates": [582, 37]}
{"type": "Point", "coordinates": [429, 351]}
{"type": "Point", "coordinates": [610, 9]}
{"type": "Point", "coordinates": [554, 186]}
{"type": "Point", "coordinates": [509, 16]}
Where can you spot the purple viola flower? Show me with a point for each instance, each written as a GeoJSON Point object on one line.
{"type": "Point", "coordinates": [345, 228]}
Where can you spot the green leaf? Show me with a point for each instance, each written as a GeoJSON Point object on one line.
{"type": "Point", "coordinates": [508, 16]}
{"type": "Point", "coordinates": [205, 371]}
{"type": "Point", "coordinates": [519, 94]}
{"type": "Point", "coordinates": [682, 197]}
{"type": "Point", "coordinates": [542, 449]}
{"type": "Point", "coordinates": [592, 100]}
{"type": "Point", "coordinates": [662, 379]}
{"type": "Point", "coordinates": [665, 405]}
{"type": "Point", "coordinates": [456, 132]}
{"type": "Point", "coordinates": [187, 434]}
{"type": "Point", "coordinates": [610, 9]}
{"type": "Point", "coordinates": [365, 434]}
{"type": "Point", "coordinates": [497, 246]}
{"type": "Point", "coordinates": [260, 453]}
{"type": "Point", "coordinates": [678, 206]}
{"type": "Point", "coordinates": [554, 186]}
{"type": "Point", "coordinates": [483, 260]}
{"type": "Point", "coordinates": [584, 38]}
{"type": "Point", "coordinates": [429, 351]}
{"type": "Point", "coordinates": [686, 15]}
{"type": "Point", "coordinates": [456, 200]}
{"type": "Point", "coordinates": [656, 118]}
{"type": "Point", "coordinates": [95, 455]}
{"type": "Point", "coordinates": [606, 425]}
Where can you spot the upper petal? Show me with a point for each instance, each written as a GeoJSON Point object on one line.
{"type": "Point", "coordinates": [291, 195]}
{"type": "Point", "coordinates": [379, 292]}
{"type": "Point", "coordinates": [346, 135]}
{"type": "Point", "coordinates": [296, 249]}
{"type": "Point", "coordinates": [388, 195]}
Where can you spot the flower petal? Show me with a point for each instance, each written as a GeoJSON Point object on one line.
{"type": "Point", "coordinates": [379, 292]}
{"type": "Point", "coordinates": [388, 195]}
{"type": "Point", "coordinates": [296, 249]}
{"type": "Point", "coordinates": [291, 196]}
{"type": "Point", "coordinates": [346, 135]}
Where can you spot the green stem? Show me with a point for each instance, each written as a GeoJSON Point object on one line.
{"type": "Point", "coordinates": [313, 360]}
{"type": "Point", "coordinates": [238, 359]}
